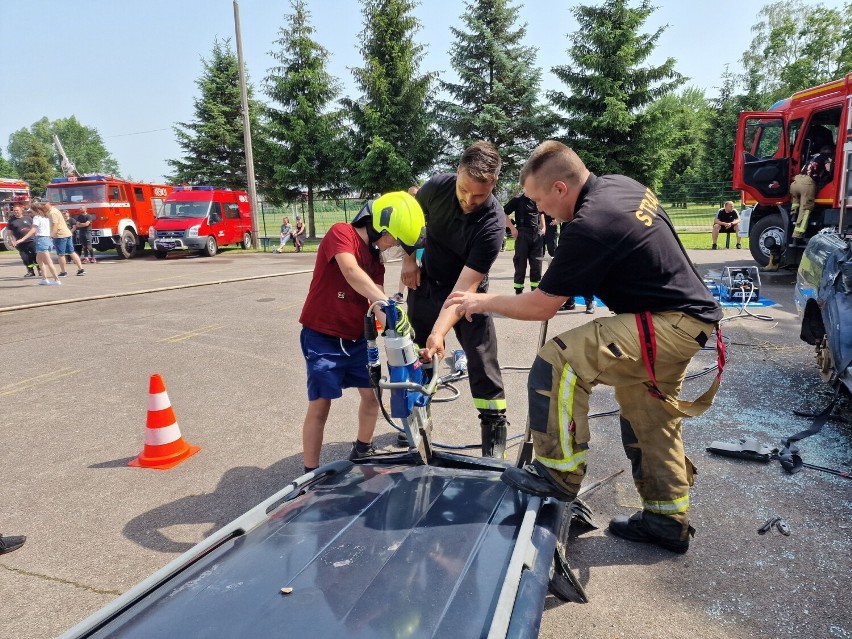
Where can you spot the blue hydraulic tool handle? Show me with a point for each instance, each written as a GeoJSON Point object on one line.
{"type": "Point", "coordinates": [403, 365]}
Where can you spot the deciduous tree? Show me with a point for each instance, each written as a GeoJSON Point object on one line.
{"type": "Point", "coordinates": [393, 140]}
{"type": "Point", "coordinates": [497, 95]}
{"type": "Point", "coordinates": [610, 89]}
{"type": "Point", "coordinates": [305, 137]}
{"type": "Point", "coordinates": [83, 145]}
{"type": "Point", "coordinates": [797, 45]}
{"type": "Point", "coordinates": [212, 144]}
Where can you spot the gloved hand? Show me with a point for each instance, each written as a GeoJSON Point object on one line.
{"type": "Point", "coordinates": [403, 326]}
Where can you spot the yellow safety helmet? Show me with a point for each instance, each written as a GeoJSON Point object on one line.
{"type": "Point", "coordinates": [400, 215]}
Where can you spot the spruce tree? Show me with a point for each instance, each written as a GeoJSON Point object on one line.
{"type": "Point", "coordinates": [7, 170]}
{"type": "Point", "coordinates": [305, 139]}
{"type": "Point", "coordinates": [393, 140]}
{"type": "Point", "coordinates": [610, 88]}
{"type": "Point", "coordinates": [213, 146]}
{"type": "Point", "coordinates": [497, 95]}
{"type": "Point", "coordinates": [36, 169]}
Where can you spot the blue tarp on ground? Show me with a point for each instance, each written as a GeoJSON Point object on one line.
{"type": "Point", "coordinates": [763, 302]}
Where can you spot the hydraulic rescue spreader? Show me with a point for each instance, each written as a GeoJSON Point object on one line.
{"type": "Point", "coordinates": [410, 399]}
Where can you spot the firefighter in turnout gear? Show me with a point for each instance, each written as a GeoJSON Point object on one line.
{"type": "Point", "coordinates": [465, 225]}
{"type": "Point", "coordinates": [528, 230]}
{"type": "Point", "coordinates": [621, 244]}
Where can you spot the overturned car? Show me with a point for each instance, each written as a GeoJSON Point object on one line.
{"type": "Point", "coordinates": [824, 303]}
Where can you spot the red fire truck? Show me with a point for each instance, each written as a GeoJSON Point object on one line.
{"type": "Point", "coordinates": [772, 147]}
{"type": "Point", "coordinates": [123, 210]}
{"type": "Point", "coordinates": [12, 192]}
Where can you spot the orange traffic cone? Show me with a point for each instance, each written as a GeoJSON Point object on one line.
{"type": "Point", "coordinates": [164, 447]}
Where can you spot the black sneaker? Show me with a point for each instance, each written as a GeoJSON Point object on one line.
{"type": "Point", "coordinates": [713, 247]}
{"type": "Point", "coordinates": [401, 440]}
{"type": "Point", "coordinates": [30, 273]}
{"type": "Point", "coordinates": [647, 528]}
{"type": "Point", "coordinates": [568, 306]}
{"type": "Point", "coordinates": [63, 274]}
{"type": "Point", "coordinates": [534, 479]}
{"type": "Point", "coordinates": [590, 307]}
{"type": "Point", "coordinates": [81, 271]}
{"type": "Point", "coordinates": [739, 246]}
{"type": "Point", "coordinates": [360, 453]}
{"type": "Point", "coordinates": [8, 544]}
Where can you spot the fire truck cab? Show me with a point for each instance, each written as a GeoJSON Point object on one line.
{"type": "Point", "coordinates": [12, 193]}
{"type": "Point", "coordinates": [771, 149]}
{"type": "Point", "coordinates": [201, 218]}
{"type": "Point", "coordinates": [123, 210]}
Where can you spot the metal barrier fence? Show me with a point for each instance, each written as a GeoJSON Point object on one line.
{"type": "Point", "coordinates": [691, 206]}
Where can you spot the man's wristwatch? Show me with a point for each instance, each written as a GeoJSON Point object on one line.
{"type": "Point", "coordinates": [399, 296]}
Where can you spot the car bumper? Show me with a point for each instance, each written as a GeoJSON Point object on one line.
{"type": "Point", "coordinates": [180, 244]}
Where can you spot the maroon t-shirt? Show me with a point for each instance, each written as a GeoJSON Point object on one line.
{"type": "Point", "coordinates": [332, 306]}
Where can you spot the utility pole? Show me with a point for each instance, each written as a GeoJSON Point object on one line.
{"type": "Point", "coordinates": [252, 189]}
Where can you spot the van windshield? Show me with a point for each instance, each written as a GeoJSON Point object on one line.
{"type": "Point", "coordinates": [184, 209]}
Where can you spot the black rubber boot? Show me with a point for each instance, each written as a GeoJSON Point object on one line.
{"type": "Point", "coordinates": [493, 431]}
{"type": "Point", "coordinates": [650, 528]}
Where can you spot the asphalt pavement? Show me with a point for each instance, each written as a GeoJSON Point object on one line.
{"type": "Point", "coordinates": [223, 333]}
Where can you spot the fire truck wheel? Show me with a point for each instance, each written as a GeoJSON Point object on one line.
{"type": "Point", "coordinates": [210, 248]}
{"type": "Point", "coordinates": [128, 244]}
{"type": "Point", "coordinates": [767, 232]}
{"type": "Point", "coordinates": [160, 255]}
{"type": "Point", "coordinates": [247, 241]}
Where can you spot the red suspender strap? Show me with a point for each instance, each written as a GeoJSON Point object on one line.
{"type": "Point", "coordinates": [648, 346]}
{"type": "Point", "coordinates": [648, 342]}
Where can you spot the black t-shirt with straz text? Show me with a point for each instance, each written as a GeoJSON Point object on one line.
{"type": "Point", "coordinates": [525, 211]}
{"type": "Point", "coordinates": [621, 247]}
{"type": "Point", "coordinates": [455, 239]}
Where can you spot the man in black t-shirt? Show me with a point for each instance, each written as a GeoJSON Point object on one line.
{"type": "Point", "coordinates": [726, 219]}
{"type": "Point", "coordinates": [19, 225]}
{"type": "Point", "coordinates": [528, 230]}
{"type": "Point", "coordinates": [84, 235]}
{"type": "Point", "coordinates": [464, 229]}
{"type": "Point", "coordinates": [620, 244]}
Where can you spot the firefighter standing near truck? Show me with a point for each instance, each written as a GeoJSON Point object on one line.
{"type": "Point", "coordinates": [465, 225]}
{"type": "Point", "coordinates": [620, 243]}
{"type": "Point", "coordinates": [528, 230]}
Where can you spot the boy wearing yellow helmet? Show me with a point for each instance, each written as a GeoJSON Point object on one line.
{"type": "Point", "coordinates": [348, 276]}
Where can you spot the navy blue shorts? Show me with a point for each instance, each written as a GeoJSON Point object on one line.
{"type": "Point", "coordinates": [333, 364]}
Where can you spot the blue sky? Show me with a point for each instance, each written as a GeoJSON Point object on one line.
{"type": "Point", "coordinates": [129, 68]}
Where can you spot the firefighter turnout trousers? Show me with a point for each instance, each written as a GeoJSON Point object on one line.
{"type": "Point", "coordinates": [529, 248]}
{"type": "Point", "coordinates": [607, 351]}
{"type": "Point", "coordinates": [478, 338]}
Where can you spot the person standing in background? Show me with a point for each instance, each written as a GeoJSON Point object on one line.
{"type": "Point", "coordinates": [528, 231]}
{"type": "Point", "coordinates": [84, 235]}
{"type": "Point", "coordinates": [62, 239]}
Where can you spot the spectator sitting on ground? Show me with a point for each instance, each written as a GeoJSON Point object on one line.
{"type": "Point", "coordinates": [726, 219]}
